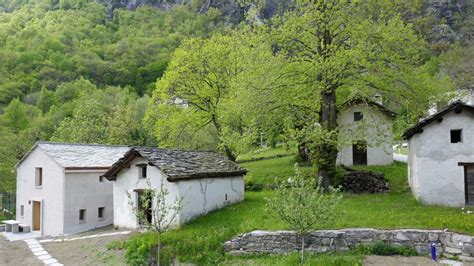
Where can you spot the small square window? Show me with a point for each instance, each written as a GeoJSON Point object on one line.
{"type": "Point", "coordinates": [101, 179]}
{"type": "Point", "coordinates": [22, 210]}
{"type": "Point", "coordinates": [100, 213]}
{"type": "Point", "coordinates": [456, 136]}
{"type": "Point", "coordinates": [358, 116]}
{"type": "Point", "coordinates": [39, 177]}
{"type": "Point", "coordinates": [142, 170]}
{"type": "Point", "coordinates": [82, 215]}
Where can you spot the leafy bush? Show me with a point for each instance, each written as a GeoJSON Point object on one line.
{"type": "Point", "coordinates": [138, 248]}
{"type": "Point", "coordinates": [384, 249]}
{"type": "Point", "coordinates": [250, 185]}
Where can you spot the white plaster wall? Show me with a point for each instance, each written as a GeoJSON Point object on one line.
{"type": "Point", "coordinates": [412, 168]}
{"type": "Point", "coordinates": [435, 175]}
{"type": "Point", "coordinates": [375, 128]}
{"type": "Point", "coordinates": [84, 191]}
{"type": "Point", "coordinates": [201, 196]}
{"type": "Point", "coordinates": [51, 194]}
{"type": "Point", "coordinates": [128, 180]}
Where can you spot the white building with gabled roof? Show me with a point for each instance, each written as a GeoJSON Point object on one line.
{"type": "Point", "coordinates": [441, 157]}
{"type": "Point", "coordinates": [60, 189]}
{"type": "Point", "coordinates": [365, 134]}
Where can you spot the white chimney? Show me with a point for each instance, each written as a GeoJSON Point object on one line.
{"type": "Point", "coordinates": [433, 109]}
{"type": "Point", "coordinates": [470, 100]}
{"type": "Point", "coordinates": [378, 99]}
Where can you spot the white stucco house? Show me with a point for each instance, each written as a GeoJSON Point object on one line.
{"type": "Point", "coordinates": [60, 189]}
{"type": "Point", "coordinates": [204, 181]}
{"type": "Point", "coordinates": [365, 135]}
{"type": "Point", "coordinates": [441, 156]}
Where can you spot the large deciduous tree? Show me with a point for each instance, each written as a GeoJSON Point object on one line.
{"type": "Point", "coordinates": [213, 86]}
{"type": "Point", "coordinates": [345, 48]}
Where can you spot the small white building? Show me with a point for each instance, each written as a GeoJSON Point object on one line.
{"type": "Point", "coordinates": [365, 135]}
{"type": "Point", "coordinates": [60, 189]}
{"type": "Point", "coordinates": [441, 157]}
{"type": "Point", "coordinates": [204, 181]}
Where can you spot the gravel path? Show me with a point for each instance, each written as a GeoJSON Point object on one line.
{"type": "Point", "coordinates": [92, 251]}
{"type": "Point", "coordinates": [16, 253]}
{"type": "Point", "coordinates": [405, 261]}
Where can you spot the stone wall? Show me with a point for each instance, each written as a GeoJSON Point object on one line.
{"type": "Point", "coordinates": [448, 244]}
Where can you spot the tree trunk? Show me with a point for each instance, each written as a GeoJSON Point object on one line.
{"type": "Point", "coordinates": [302, 248]}
{"type": "Point", "coordinates": [228, 151]}
{"type": "Point", "coordinates": [230, 155]}
{"type": "Point", "coordinates": [327, 151]}
{"type": "Point", "coordinates": [303, 152]}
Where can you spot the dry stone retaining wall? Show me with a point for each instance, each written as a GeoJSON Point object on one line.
{"type": "Point", "coordinates": [447, 243]}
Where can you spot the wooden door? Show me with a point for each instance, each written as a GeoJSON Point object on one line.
{"type": "Point", "coordinates": [36, 215]}
{"type": "Point", "coordinates": [469, 184]}
{"type": "Point", "coordinates": [359, 153]}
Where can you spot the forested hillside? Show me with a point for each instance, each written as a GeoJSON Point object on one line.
{"type": "Point", "coordinates": [107, 71]}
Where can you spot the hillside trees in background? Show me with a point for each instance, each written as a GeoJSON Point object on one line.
{"type": "Point", "coordinates": [45, 48]}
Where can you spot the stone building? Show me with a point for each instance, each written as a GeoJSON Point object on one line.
{"type": "Point", "coordinates": [204, 181]}
{"type": "Point", "coordinates": [365, 133]}
{"type": "Point", "coordinates": [441, 156]}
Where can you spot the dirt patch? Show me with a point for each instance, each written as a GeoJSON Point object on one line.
{"type": "Point", "coordinates": [406, 261]}
{"type": "Point", "coordinates": [16, 253]}
{"type": "Point", "coordinates": [91, 251]}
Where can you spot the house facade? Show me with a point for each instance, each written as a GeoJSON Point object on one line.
{"type": "Point", "coordinates": [365, 135]}
{"type": "Point", "coordinates": [441, 157]}
{"type": "Point", "coordinates": [204, 181]}
{"type": "Point", "coordinates": [59, 188]}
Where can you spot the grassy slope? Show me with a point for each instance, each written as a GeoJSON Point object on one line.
{"type": "Point", "coordinates": [269, 171]}
{"type": "Point", "coordinates": [201, 240]}
{"type": "Point", "coordinates": [264, 153]}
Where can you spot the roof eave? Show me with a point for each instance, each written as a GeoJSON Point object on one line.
{"type": "Point", "coordinates": [237, 173]}
{"type": "Point", "coordinates": [418, 127]}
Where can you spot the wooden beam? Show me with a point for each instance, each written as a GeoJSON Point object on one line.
{"type": "Point", "coordinates": [466, 163]}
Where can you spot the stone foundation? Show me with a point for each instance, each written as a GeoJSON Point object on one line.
{"type": "Point", "coordinates": [448, 244]}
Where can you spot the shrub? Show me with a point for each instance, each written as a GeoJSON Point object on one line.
{"type": "Point", "coordinates": [138, 248]}
{"type": "Point", "coordinates": [250, 185]}
{"type": "Point", "coordinates": [384, 249]}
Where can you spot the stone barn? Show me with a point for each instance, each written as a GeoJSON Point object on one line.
{"type": "Point", "coordinates": [441, 156]}
{"type": "Point", "coordinates": [365, 133]}
{"type": "Point", "coordinates": [205, 181]}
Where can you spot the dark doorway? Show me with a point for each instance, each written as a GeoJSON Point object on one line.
{"type": "Point", "coordinates": [144, 207]}
{"type": "Point", "coordinates": [359, 153]}
{"type": "Point", "coordinates": [469, 184]}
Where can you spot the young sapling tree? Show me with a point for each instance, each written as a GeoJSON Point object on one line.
{"type": "Point", "coordinates": [302, 207]}
{"type": "Point", "coordinates": [155, 210]}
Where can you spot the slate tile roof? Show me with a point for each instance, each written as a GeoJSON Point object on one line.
{"type": "Point", "coordinates": [456, 106]}
{"type": "Point", "coordinates": [180, 165]}
{"type": "Point", "coordinates": [71, 155]}
{"type": "Point", "coordinates": [360, 100]}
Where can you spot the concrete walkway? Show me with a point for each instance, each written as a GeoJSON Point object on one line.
{"type": "Point", "coordinates": [57, 240]}
{"type": "Point", "coordinates": [40, 253]}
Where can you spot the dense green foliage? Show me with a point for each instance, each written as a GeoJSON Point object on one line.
{"type": "Point", "coordinates": [41, 47]}
{"type": "Point", "coordinates": [384, 249]}
{"type": "Point", "coordinates": [72, 71]}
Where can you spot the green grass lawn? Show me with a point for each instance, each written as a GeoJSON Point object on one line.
{"type": "Point", "coordinates": [265, 153]}
{"type": "Point", "coordinates": [271, 170]}
{"type": "Point", "coordinates": [201, 240]}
